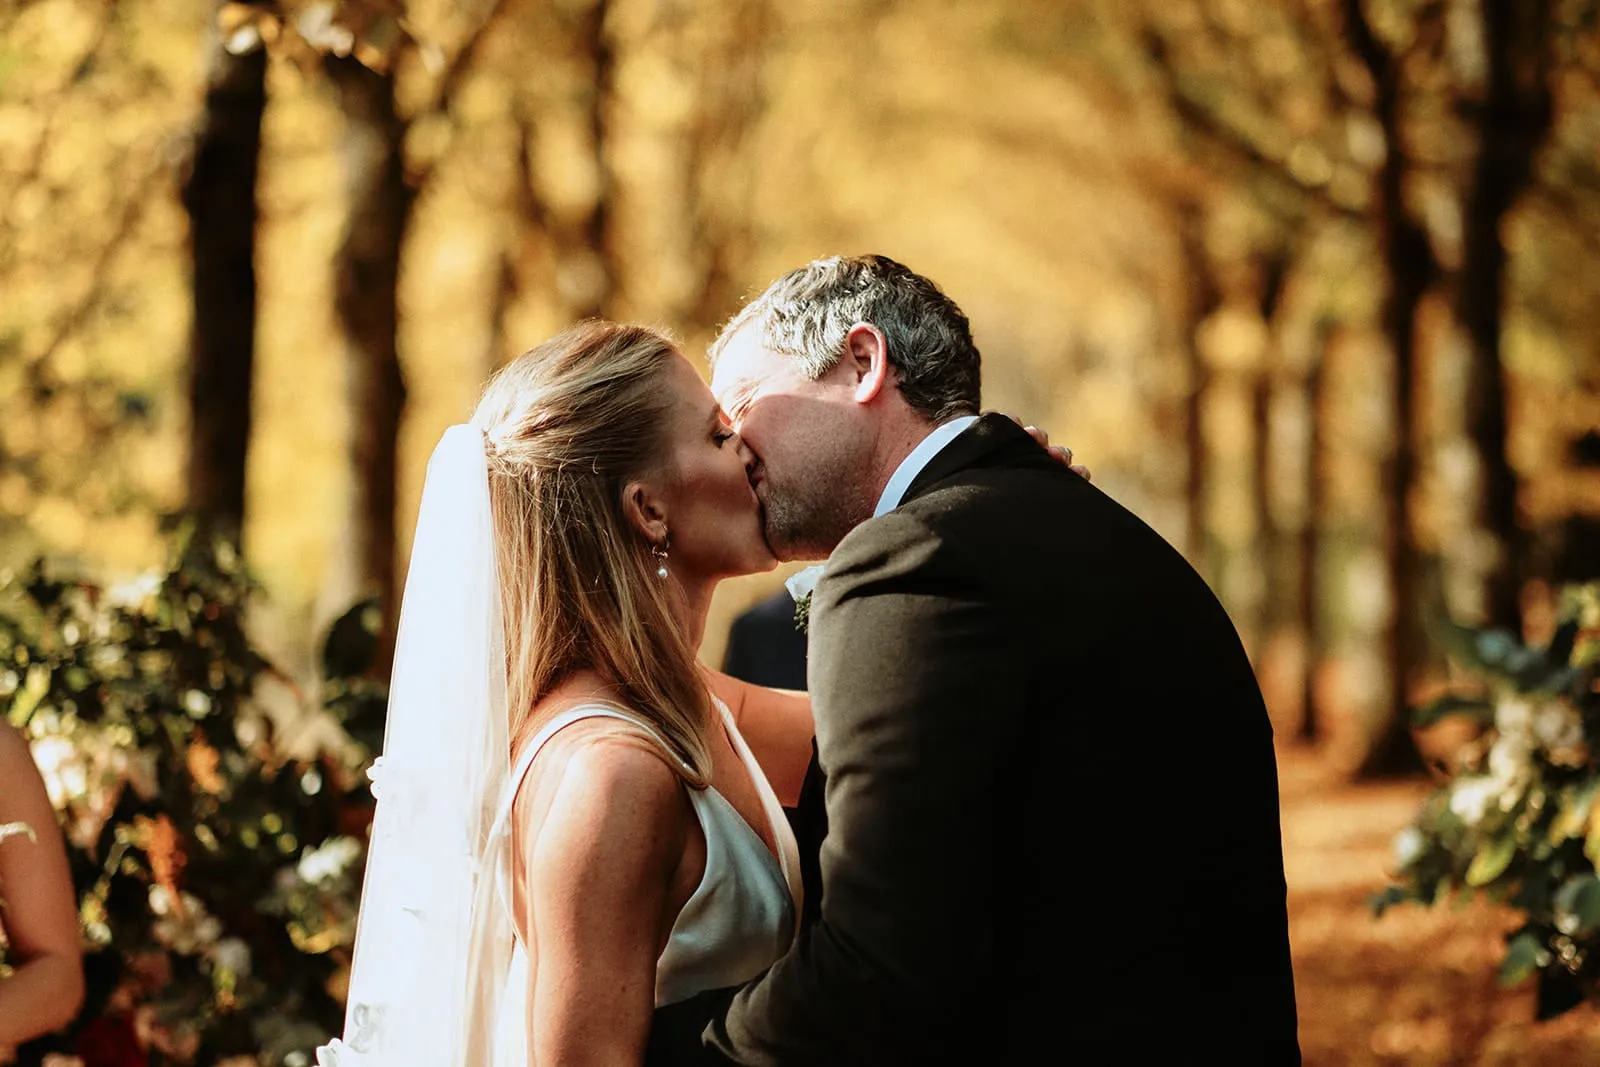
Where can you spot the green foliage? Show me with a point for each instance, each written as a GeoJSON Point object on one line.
{"type": "Point", "coordinates": [1518, 821]}
{"type": "Point", "coordinates": [218, 878]}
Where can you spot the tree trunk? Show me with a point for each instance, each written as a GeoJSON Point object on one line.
{"type": "Point", "coordinates": [366, 276]}
{"type": "Point", "coordinates": [1268, 382]}
{"type": "Point", "coordinates": [1275, 617]}
{"type": "Point", "coordinates": [1410, 268]}
{"type": "Point", "coordinates": [1513, 121]}
{"type": "Point", "coordinates": [732, 98]}
{"type": "Point", "coordinates": [586, 271]}
{"type": "Point", "coordinates": [1310, 544]}
{"type": "Point", "coordinates": [599, 224]}
{"type": "Point", "coordinates": [1204, 298]}
{"type": "Point", "coordinates": [219, 194]}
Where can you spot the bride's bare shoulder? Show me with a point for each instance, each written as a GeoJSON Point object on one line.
{"type": "Point", "coordinates": [600, 769]}
{"type": "Point", "coordinates": [613, 814]}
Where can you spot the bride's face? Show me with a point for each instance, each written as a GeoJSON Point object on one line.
{"type": "Point", "coordinates": [711, 510]}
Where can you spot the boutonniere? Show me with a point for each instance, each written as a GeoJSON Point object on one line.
{"type": "Point", "coordinates": [801, 585]}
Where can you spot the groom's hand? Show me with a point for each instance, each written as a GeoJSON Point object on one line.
{"type": "Point", "coordinates": [1061, 453]}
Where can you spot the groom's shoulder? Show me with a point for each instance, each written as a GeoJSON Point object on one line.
{"type": "Point", "coordinates": [1016, 513]}
{"type": "Point", "coordinates": [956, 522]}
{"type": "Point", "coordinates": [897, 540]}
{"type": "Point", "coordinates": [995, 501]}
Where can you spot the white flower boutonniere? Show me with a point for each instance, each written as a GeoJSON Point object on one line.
{"type": "Point", "coordinates": [801, 585]}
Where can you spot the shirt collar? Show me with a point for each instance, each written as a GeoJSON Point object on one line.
{"type": "Point", "coordinates": [919, 458]}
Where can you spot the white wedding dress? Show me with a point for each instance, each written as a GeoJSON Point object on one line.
{"type": "Point", "coordinates": [739, 920]}
{"type": "Point", "coordinates": [437, 976]}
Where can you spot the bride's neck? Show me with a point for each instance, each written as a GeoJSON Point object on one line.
{"type": "Point", "coordinates": [691, 607]}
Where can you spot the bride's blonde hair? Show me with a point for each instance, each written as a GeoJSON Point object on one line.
{"type": "Point", "coordinates": [567, 426]}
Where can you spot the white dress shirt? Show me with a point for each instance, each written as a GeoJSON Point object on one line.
{"type": "Point", "coordinates": [919, 458]}
{"type": "Point", "coordinates": [801, 583]}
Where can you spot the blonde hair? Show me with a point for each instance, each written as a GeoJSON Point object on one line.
{"type": "Point", "coordinates": [567, 425]}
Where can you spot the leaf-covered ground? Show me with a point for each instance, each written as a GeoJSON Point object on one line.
{"type": "Point", "coordinates": [1418, 985]}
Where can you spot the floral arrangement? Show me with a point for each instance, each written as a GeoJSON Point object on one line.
{"type": "Point", "coordinates": [1519, 819]}
{"type": "Point", "coordinates": [217, 877]}
{"type": "Point", "coordinates": [801, 585]}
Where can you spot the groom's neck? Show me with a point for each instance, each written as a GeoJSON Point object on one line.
{"type": "Point", "coordinates": [901, 433]}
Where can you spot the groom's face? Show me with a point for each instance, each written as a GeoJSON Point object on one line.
{"type": "Point", "coordinates": [808, 438]}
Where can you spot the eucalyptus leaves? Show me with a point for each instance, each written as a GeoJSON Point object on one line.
{"type": "Point", "coordinates": [1519, 820]}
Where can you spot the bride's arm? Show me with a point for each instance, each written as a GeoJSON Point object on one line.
{"type": "Point", "coordinates": [40, 908]}
{"type": "Point", "coordinates": [776, 724]}
{"type": "Point", "coordinates": [599, 886]}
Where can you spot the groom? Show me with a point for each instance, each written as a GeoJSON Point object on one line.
{"type": "Point", "coordinates": [1045, 790]}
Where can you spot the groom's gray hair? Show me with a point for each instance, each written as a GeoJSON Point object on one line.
{"type": "Point", "coordinates": [808, 312]}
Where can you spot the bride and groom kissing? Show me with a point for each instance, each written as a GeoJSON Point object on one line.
{"type": "Point", "coordinates": [1033, 791]}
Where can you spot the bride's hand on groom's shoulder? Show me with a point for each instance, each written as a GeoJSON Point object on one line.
{"type": "Point", "coordinates": [1060, 452]}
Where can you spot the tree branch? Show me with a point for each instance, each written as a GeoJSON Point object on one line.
{"type": "Point", "coordinates": [1221, 134]}
{"type": "Point", "coordinates": [1582, 220]}
{"type": "Point", "coordinates": [127, 219]}
{"type": "Point", "coordinates": [450, 82]}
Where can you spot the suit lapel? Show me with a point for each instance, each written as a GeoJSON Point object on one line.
{"type": "Point", "coordinates": [991, 440]}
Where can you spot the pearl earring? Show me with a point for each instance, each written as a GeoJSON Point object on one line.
{"type": "Point", "coordinates": [660, 552]}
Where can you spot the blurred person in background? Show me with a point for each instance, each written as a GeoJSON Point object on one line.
{"type": "Point", "coordinates": [38, 906]}
{"type": "Point", "coordinates": [766, 646]}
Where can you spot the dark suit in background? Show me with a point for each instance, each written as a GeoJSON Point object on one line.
{"type": "Point", "coordinates": [765, 647]}
{"type": "Point", "coordinates": [1051, 798]}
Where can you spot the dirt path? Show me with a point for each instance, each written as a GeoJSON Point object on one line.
{"type": "Point", "coordinates": [1417, 986]}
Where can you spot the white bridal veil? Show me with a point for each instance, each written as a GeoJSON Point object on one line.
{"type": "Point", "coordinates": [433, 942]}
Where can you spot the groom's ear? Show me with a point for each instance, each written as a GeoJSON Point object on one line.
{"type": "Point", "coordinates": [646, 511]}
{"type": "Point", "coordinates": [868, 356]}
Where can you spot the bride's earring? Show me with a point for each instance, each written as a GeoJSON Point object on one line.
{"type": "Point", "coordinates": [660, 553]}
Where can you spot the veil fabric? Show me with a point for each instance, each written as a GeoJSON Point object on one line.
{"type": "Point", "coordinates": [433, 939]}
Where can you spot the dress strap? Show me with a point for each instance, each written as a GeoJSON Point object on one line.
{"type": "Point", "coordinates": [788, 852]}
{"type": "Point", "coordinates": [557, 723]}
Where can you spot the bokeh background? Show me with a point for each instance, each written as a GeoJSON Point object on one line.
{"type": "Point", "coordinates": [1312, 285]}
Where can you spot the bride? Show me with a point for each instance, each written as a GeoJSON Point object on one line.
{"type": "Point", "coordinates": [575, 822]}
{"type": "Point", "coordinates": [572, 828]}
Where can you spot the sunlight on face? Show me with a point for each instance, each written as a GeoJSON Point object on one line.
{"type": "Point", "coordinates": [713, 512]}
{"type": "Point", "coordinates": [804, 434]}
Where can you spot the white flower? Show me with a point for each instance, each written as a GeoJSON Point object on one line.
{"type": "Point", "coordinates": [1509, 758]}
{"type": "Point", "coordinates": [160, 900]}
{"type": "Point", "coordinates": [1470, 797]}
{"type": "Point", "coordinates": [1513, 716]}
{"type": "Point", "coordinates": [197, 704]}
{"type": "Point", "coordinates": [232, 954]}
{"type": "Point", "coordinates": [185, 933]}
{"type": "Point", "coordinates": [1557, 726]}
{"type": "Point", "coordinates": [329, 860]}
{"type": "Point", "coordinates": [63, 767]}
{"type": "Point", "coordinates": [1510, 768]}
{"type": "Point", "coordinates": [1408, 845]}
{"type": "Point", "coordinates": [801, 584]}
{"type": "Point", "coordinates": [134, 591]}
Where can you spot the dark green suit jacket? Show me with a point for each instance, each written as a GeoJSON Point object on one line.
{"type": "Point", "coordinates": [1049, 827]}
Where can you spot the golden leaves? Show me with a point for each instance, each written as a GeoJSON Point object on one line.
{"type": "Point", "coordinates": [374, 32]}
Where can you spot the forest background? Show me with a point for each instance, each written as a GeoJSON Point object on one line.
{"type": "Point", "coordinates": [1312, 285]}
